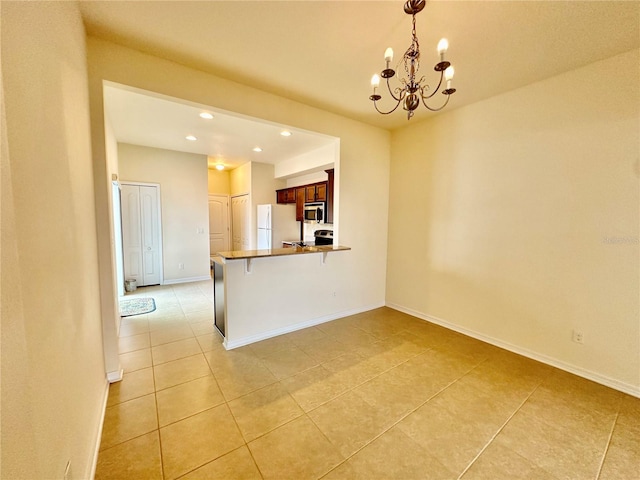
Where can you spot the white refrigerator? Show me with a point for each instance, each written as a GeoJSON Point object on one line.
{"type": "Point", "coordinates": [276, 223]}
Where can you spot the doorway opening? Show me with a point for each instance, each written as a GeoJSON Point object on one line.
{"type": "Point", "coordinates": [141, 233]}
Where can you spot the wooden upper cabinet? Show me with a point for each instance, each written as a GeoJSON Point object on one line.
{"type": "Point", "coordinates": [286, 195]}
{"type": "Point", "coordinates": [321, 192]}
{"type": "Point", "coordinates": [310, 195]}
{"type": "Point", "coordinates": [281, 196]}
{"type": "Point", "coordinates": [316, 192]}
{"type": "Point", "coordinates": [300, 197]}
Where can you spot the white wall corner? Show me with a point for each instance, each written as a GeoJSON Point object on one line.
{"type": "Point", "coordinates": [96, 450]}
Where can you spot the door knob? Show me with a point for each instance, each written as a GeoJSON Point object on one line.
{"type": "Point", "coordinates": [148, 248]}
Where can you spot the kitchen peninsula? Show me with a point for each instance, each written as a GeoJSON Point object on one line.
{"type": "Point", "coordinates": [264, 293]}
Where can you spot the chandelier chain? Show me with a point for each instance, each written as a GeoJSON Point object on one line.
{"type": "Point", "coordinates": [413, 54]}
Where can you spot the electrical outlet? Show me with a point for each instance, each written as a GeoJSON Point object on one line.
{"type": "Point", "coordinates": [181, 266]}
{"type": "Point", "coordinates": [577, 337]}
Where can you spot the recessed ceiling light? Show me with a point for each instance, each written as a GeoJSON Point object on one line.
{"type": "Point", "coordinates": [285, 133]}
{"type": "Point", "coordinates": [206, 115]}
{"type": "Point", "coordinates": [257, 149]}
{"type": "Point", "coordinates": [191, 138]}
{"type": "Point", "coordinates": [219, 166]}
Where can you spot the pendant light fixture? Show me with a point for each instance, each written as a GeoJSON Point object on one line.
{"type": "Point", "coordinates": [413, 90]}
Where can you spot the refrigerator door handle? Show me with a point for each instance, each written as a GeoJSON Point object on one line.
{"type": "Point", "coordinates": [270, 231]}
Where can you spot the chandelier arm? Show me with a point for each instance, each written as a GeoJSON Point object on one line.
{"type": "Point", "coordinates": [375, 104]}
{"type": "Point", "coordinates": [436, 90]}
{"type": "Point", "coordinates": [397, 99]}
{"type": "Point", "coordinates": [436, 109]}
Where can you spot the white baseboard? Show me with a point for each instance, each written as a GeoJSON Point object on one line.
{"type": "Point", "coordinates": [581, 372]}
{"type": "Point", "coordinates": [186, 280]}
{"type": "Point", "coordinates": [96, 450]}
{"type": "Point", "coordinates": [113, 377]}
{"type": "Point", "coordinates": [296, 326]}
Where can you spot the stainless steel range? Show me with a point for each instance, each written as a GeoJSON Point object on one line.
{"type": "Point", "coordinates": [323, 237]}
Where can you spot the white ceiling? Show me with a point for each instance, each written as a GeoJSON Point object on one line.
{"type": "Point", "coordinates": [144, 118]}
{"type": "Point", "coordinates": [323, 53]}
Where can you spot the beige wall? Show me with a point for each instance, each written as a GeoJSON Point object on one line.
{"type": "Point", "coordinates": [516, 219]}
{"type": "Point", "coordinates": [184, 202]}
{"type": "Point", "coordinates": [53, 372]}
{"type": "Point", "coordinates": [263, 183]}
{"type": "Point", "coordinates": [218, 182]}
{"type": "Point", "coordinates": [240, 179]}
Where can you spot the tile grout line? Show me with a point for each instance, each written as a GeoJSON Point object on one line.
{"type": "Point", "coordinates": [246, 444]}
{"type": "Point", "coordinates": [155, 397]}
{"type": "Point", "coordinates": [606, 449]}
{"type": "Point", "coordinates": [493, 437]}
{"type": "Point", "coordinates": [305, 413]}
{"type": "Point", "coordinates": [361, 383]}
{"type": "Point", "coordinates": [235, 421]}
{"type": "Point", "coordinates": [401, 418]}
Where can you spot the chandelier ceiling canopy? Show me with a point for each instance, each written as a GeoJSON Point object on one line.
{"type": "Point", "coordinates": [412, 89]}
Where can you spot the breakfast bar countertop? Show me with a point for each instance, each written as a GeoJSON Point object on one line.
{"type": "Point", "coordinates": [279, 252]}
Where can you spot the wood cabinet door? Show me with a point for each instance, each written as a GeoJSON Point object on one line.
{"type": "Point", "coordinates": [300, 196]}
{"type": "Point", "coordinates": [310, 195]}
{"type": "Point", "coordinates": [330, 184]}
{"type": "Point", "coordinates": [281, 196]}
{"type": "Point", "coordinates": [286, 195]}
{"type": "Point", "coordinates": [321, 192]}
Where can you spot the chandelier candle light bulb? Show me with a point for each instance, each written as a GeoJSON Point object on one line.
{"type": "Point", "coordinates": [375, 83]}
{"type": "Point", "coordinates": [448, 76]}
{"type": "Point", "coordinates": [443, 46]}
{"type": "Point", "coordinates": [412, 90]}
{"type": "Point", "coordinates": [388, 55]}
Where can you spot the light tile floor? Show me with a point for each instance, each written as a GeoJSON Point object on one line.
{"type": "Point", "coordinates": [379, 395]}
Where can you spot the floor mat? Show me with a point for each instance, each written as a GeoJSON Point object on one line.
{"type": "Point", "coordinates": [136, 306]}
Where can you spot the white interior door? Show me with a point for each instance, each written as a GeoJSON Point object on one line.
{"type": "Point", "coordinates": [218, 223]}
{"type": "Point", "coordinates": [141, 234]}
{"type": "Point", "coordinates": [149, 217]}
{"type": "Point", "coordinates": [132, 232]}
{"type": "Point", "coordinates": [240, 222]}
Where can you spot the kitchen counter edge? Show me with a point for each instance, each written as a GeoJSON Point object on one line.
{"type": "Point", "coordinates": [279, 252]}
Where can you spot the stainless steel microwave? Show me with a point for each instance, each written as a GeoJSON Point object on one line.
{"type": "Point", "coordinates": [314, 212]}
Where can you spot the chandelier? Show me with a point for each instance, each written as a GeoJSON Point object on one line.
{"type": "Point", "coordinates": [413, 90]}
